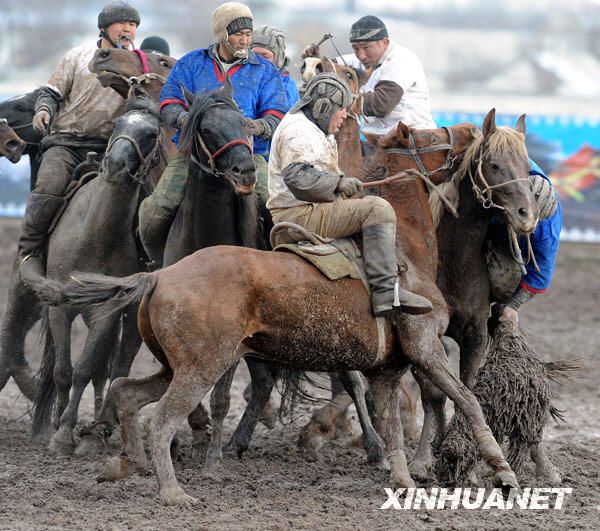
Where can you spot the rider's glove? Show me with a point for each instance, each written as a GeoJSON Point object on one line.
{"type": "Point", "coordinates": [41, 121]}
{"type": "Point", "coordinates": [349, 186]}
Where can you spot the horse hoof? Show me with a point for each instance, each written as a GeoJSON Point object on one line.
{"type": "Point", "coordinates": [401, 481]}
{"type": "Point", "coordinates": [117, 468]}
{"type": "Point", "coordinates": [61, 443]}
{"type": "Point", "coordinates": [235, 447]}
{"type": "Point", "coordinates": [89, 445]}
{"type": "Point", "coordinates": [506, 480]}
{"type": "Point", "coordinates": [420, 470]}
{"type": "Point", "coordinates": [177, 497]}
{"type": "Point", "coordinates": [213, 458]}
{"type": "Point", "coordinates": [550, 477]}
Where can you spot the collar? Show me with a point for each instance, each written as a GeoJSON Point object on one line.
{"type": "Point", "coordinates": [386, 54]}
{"type": "Point", "coordinates": [213, 54]}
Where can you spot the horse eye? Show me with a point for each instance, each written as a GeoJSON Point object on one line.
{"type": "Point", "coordinates": [494, 166]}
{"type": "Point", "coordinates": [164, 63]}
{"type": "Point", "coordinates": [348, 75]}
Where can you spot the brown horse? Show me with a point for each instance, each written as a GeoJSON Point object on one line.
{"type": "Point", "coordinates": [11, 146]}
{"type": "Point", "coordinates": [202, 314]}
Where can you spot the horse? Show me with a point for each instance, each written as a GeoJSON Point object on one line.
{"type": "Point", "coordinates": [118, 69]}
{"type": "Point", "coordinates": [280, 308]}
{"type": "Point", "coordinates": [96, 233]}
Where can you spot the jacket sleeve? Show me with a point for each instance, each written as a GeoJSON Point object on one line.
{"type": "Point", "coordinates": [384, 98]}
{"type": "Point", "coordinates": [172, 92]}
{"type": "Point", "coordinates": [309, 183]}
{"type": "Point", "coordinates": [272, 100]}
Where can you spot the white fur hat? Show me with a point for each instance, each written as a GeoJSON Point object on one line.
{"type": "Point", "coordinates": [227, 13]}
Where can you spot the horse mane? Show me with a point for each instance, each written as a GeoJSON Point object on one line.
{"type": "Point", "coordinates": [502, 140]}
{"type": "Point", "coordinates": [143, 103]}
{"type": "Point", "coordinates": [200, 104]}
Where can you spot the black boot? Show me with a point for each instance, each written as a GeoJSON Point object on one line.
{"type": "Point", "coordinates": [39, 214]}
{"type": "Point", "coordinates": [379, 251]}
{"type": "Point", "coordinates": [154, 238]}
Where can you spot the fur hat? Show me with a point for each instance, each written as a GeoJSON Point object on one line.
{"type": "Point", "coordinates": [272, 39]}
{"type": "Point", "coordinates": [229, 18]}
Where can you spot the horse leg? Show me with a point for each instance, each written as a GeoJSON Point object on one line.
{"type": "Point", "coordinates": [199, 421]}
{"type": "Point", "coordinates": [545, 470]}
{"type": "Point", "coordinates": [354, 385]}
{"type": "Point", "coordinates": [386, 392]}
{"type": "Point", "coordinates": [472, 351]}
{"type": "Point", "coordinates": [22, 311]}
{"type": "Point", "coordinates": [434, 426]}
{"type": "Point", "coordinates": [99, 344]}
{"type": "Point", "coordinates": [60, 321]}
{"type": "Point", "coordinates": [321, 427]}
{"type": "Point", "coordinates": [182, 397]}
{"type": "Point", "coordinates": [131, 340]}
{"type": "Point", "coordinates": [429, 355]}
{"type": "Point", "coordinates": [268, 417]}
{"type": "Point", "coordinates": [129, 395]}
{"type": "Point", "coordinates": [263, 376]}
{"type": "Point", "coordinates": [220, 399]}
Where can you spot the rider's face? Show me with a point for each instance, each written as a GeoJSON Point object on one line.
{"type": "Point", "coordinates": [241, 39]}
{"type": "Point", "coordinates": [370, 53]}
{"type": "Point", "coordinates": [264, 52]}
{"type": "Point", "coordinates": [337, 120]}
{"type": "Point", "coordinates": [122, 32]}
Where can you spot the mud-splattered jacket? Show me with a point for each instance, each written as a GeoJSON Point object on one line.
{"type": "Point", "coordinates": [86, 108]}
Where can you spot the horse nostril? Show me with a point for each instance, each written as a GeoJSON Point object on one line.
{"type": "Point", "coordinates": [523, 213]}
{"type": "Point", "coordinates": [13, 145]}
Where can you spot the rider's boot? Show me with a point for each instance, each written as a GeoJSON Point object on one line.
{"type": "Point", "coordinates": [40, 212]}
{"type": "Point", "coordinates": [154, 234]}
{"type": "Point", "coordinates": [379, 251]}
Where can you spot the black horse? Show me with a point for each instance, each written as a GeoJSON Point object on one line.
{"type": "Point", "coordinates": [96, 233]}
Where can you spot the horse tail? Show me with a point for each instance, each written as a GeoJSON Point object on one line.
{"type": "Point", "coordinates": [108, 294]}
{"type": "Point", "coordinates": [46, 390]}
{"type": "Point", "coordinates": [563, 370]}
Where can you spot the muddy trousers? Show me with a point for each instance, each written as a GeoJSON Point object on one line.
{"type": "Point", "coordinates": [375, 218]}
{"type": "Point", "coordinates": [158, 210]}
{"type": "Point", "coordinates": [54, 175]}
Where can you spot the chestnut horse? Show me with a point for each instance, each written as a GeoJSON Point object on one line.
{"type": "Point", "coordinates": [202, 314]}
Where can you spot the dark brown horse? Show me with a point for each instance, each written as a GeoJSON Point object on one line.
{"type": "Point", "coordinates": [202, 314]}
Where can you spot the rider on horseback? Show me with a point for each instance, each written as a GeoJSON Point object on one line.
{"type": "Point", "coordinates": [396, 89]}
{"type": "Point", "coordinates": [307, 187]}
{"type": "Point", "coordinates": [257, 90]}
{"type": "Point", "coordinates": [75, 113]}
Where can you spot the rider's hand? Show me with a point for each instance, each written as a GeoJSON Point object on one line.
{"type": "Point", "coordinates": [254, 127]}
{"type": "Point", "coordinates": [41, 121]}
{"type": "Point", "coordinates": [312, 50]}
{"type": "Point", "coordinates": [510, 316]}
{"type": "Point", "coordinates": [349, 186]}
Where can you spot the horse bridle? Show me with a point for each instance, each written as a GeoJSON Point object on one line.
{"type": "Point", "coordinates": [146, 163]}
{"type": "Point", "coordinates": [413, 151]}
{"type": "Point", "coordinates": [212, 157]}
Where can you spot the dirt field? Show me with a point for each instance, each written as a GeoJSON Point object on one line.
{"type": "Point", "coordinates": [275, 486]}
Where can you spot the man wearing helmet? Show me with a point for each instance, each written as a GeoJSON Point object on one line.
{"type": "Point", "coordinates": [75, 114]}
{"type": "Point", "coordinates": [257, 90]}
{"type": "Point", "coordinates": [397, 89]}
{"type": "Point", "coordinates": [306, 186]}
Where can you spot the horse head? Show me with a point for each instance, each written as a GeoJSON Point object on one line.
{"type": "Point", "coordinates": [214, 134]}
{"type": "Point", "coordinates": [117, 68]}
{"type": "Point", "coordinates": [136, 141]}
{"type": "Point", "coordinates": [11, 146]}
{"type": "Point", "coordinates": [498, 167]}
{"type": "Point", "coordinates": [434, 152]}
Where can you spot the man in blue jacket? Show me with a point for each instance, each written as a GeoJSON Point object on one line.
{"type": "Point", "coordinates": [257, 90]}
{"type": "Point", "coordinates": [544, 242]}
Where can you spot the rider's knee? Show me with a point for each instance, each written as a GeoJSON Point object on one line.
{"type": "Point", "coordinates": [379, 211]}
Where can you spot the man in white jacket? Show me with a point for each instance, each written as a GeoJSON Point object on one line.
{"type": "Point", "coordinates": [397, 89]}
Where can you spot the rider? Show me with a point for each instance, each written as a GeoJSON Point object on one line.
{"type": "Point", "coordinates": [257, 89]}
{"type": "Point", "coordinates": [307, 187]}
{"type": "Point", "coordinates": [396, 89]}
{"type": "Point", "coordinates": [75, 114]}
{"type": "Point", "coordinates": [154, 43]}
{"type": "Point", "coordinates": [544, 242]}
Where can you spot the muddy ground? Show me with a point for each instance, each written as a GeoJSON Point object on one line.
{"type": "Point", "coordinates": [275, 486]}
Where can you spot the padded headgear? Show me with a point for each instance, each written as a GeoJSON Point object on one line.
{"type": "Point", "coordinates": [544, 195]}
{"type": "Point", "coordinates": [116, 12]}
{"type": "Point", "coordinates": [272, 39]}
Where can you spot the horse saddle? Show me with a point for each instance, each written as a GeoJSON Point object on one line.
{"type": "Point", "coordinates": [336, 259]}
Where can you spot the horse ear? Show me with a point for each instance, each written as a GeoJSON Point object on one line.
{"type": "Point", "coordinates": [521, 125]}
{"type": "Point", "coordinates": [189, 97]}
{"type": "Point", "coordinates": [327, 65]}
{"type": "Point", "coordinates": [227, 88]}
{"type": "Point", "coordinates": [489, 124]}
{"type": "Point", "coordinates": [403, 134]}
